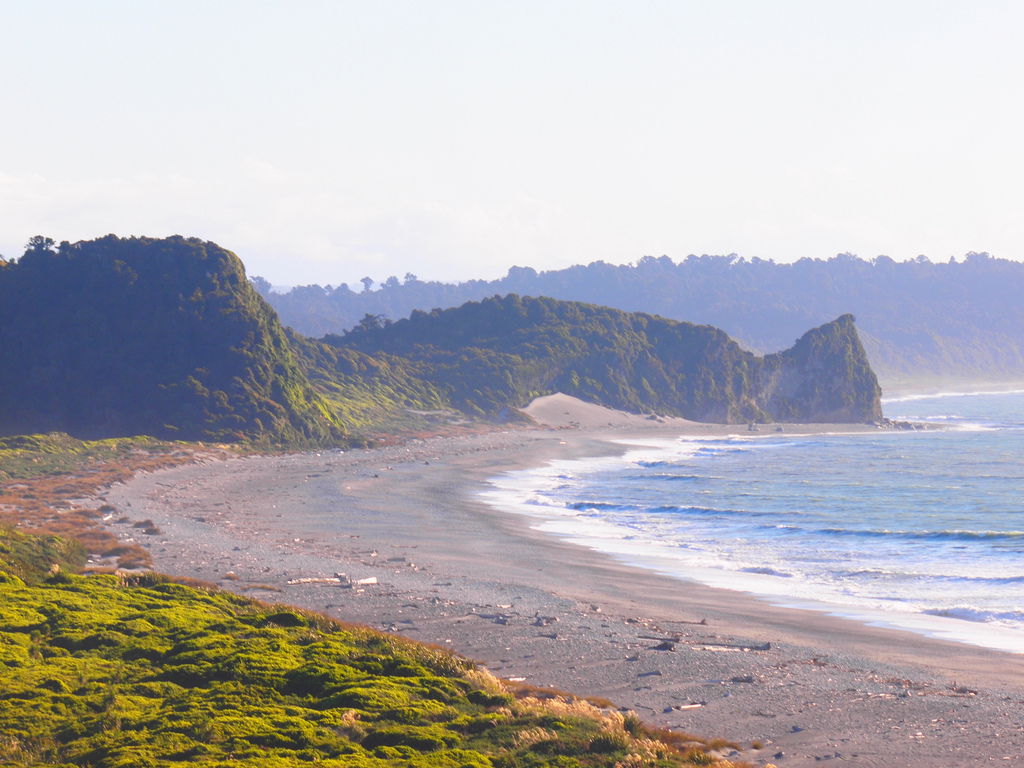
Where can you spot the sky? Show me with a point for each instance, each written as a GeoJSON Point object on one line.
{"type": "Point", "coordinates": [327, 141]}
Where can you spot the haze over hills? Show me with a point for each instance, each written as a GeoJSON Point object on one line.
{"type": "Point", "coordinates": [121, 336]}
{"type": "Point", "coordinates": [918, 320]}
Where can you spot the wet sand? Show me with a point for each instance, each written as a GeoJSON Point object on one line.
{"type": "Point", "coordinates": [450, 570]}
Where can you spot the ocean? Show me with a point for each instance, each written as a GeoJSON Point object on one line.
{"type": "Point", "coordinates": [921, 530]}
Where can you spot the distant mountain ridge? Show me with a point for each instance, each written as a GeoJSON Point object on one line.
{"type": "Point", "coordinates": [918, 319]}
{"type": "Point", "coordinates": [123, 336]}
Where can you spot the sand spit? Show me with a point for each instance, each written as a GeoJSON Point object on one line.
{"type": "Point", "coordinates": [395, 538]}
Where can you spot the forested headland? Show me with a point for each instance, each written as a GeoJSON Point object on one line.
{"type": "Point", "coordinates": [919, 320]}
{"type": "Point", "coordinates": [167, 337]}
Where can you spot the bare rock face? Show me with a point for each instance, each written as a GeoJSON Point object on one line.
{"type": "Point", "coordinates": [824, 377]}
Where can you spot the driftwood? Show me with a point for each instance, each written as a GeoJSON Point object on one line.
{"type": "Point", "coordinates": [738, 646]}
{"type": "Point", "coordinates": [669, 643]}
{"type": "Point", "coordinates": [341, 579]}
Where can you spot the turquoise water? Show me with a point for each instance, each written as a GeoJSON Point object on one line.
{"type": "Point", "coordinates": [922, 530]}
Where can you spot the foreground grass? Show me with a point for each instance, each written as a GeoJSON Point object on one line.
{"type": "Point", "coordinates": [108, 670]}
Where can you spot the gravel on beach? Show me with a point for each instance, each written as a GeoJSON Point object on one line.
{"type": "Point", "coordinates": [792, 687]}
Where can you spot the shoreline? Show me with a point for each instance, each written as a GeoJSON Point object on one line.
{"type": "Point", "coordinates": [531, 606]}
{"type": "Point", "coordinates": [617, 542]}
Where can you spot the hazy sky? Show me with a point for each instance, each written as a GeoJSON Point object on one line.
{"type": "Point", "coordinates": [325, 141]}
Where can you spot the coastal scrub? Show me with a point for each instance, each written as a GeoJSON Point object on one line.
{"type": "Point", "coordinates": [113, 670]}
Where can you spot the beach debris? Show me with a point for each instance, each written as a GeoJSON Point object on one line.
{"type": "Point", "coordinates": [708, 646]}
{"type": "Point", "coordinates": [543, 621]}
{"type": "Point", "coordinates": [340, 579]}
{"type": "Point", "coordinates": [691, 705]}
{"type": "Point", "coordinates": [315, 580]}
{"type": "Point", "coordinates": [962, 690]}
{"type": "Point", "coordinates": [652, 673]}
{"type": "Point", "coordinates": [497, 618]}
{"type": "Point", "coordinates": [664, 643]}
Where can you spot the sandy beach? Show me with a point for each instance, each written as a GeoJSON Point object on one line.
{"type": "Point", "coordinates": [788, 686]}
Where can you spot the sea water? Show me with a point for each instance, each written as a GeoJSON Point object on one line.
{"type": "Point", "coordinates": [922, 530]}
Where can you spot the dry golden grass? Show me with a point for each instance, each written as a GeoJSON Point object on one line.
{"type": "Point", "coordinates": [50, 504]}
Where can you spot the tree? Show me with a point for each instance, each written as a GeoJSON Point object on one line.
{"type": "Point", "coordinates": [40, 243]}
{"type": "Point", "coordinates": [372, 322]}
{"type": "Point", "coordinates": [261, 284]}
{"type": "Point", "coordinates": [367, 284]}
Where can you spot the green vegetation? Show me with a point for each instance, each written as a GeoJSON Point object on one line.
{"type": "Point", "coordinates": [27, 456]}
{"type": "Point", "coordinates": [826, 373]}
{"type": "Point", "coordinates": [33, 558]}
{"type": "Point", "coordinates": [109, 671]}
{"type": "Point", "coordinates": [43, 479]}
{"type": "Point", "coordinates": [955, 319]}
{"type": "Point", "coordinates": [128, 336]}
{"type": "Point", "coordinates": [367, 393]}
{"type": "Point", "coordinates": [504, 351]}
{"type": "Point", "coordinates": [166, 337]}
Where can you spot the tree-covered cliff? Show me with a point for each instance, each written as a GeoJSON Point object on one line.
{"type": "Point", "coordinates": [166, 337]}
{"type": "Point", "coordinates": [919, 319]}
{"type": "Point", "coordinates": [504, 351]}
{"type": "Point", "coordinates": [148, 336]}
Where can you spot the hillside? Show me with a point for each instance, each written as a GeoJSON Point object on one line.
{"type": "Point", "coordinates": [166, 337]}
{"type": "Point", "coordinates": [918, 319]}
{"type": "Point", "coordinates": [505, 351]}
{"type": "Point", "coordinates": [147, 336]}
{"type": "Point", "coordinates": [118, 670]}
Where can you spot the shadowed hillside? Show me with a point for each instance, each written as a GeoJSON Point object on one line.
{"type": "Point", "coordinates": [142, 335]}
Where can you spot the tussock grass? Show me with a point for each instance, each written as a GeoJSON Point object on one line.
{"type": "Point", "coordinates": [44, 477]}
{"type": "Point", "coordinates": [122, 669]}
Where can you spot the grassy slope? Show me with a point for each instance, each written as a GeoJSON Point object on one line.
{"type": "Point", "coordinates": [107, 671]}
{"type": "Point", "coordinates": [28, 456]}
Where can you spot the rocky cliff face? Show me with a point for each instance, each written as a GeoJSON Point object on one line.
{"type": "Point", "coordinates": [505, 351]}
{"type": "Point", "coordinates": [824, 377]}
